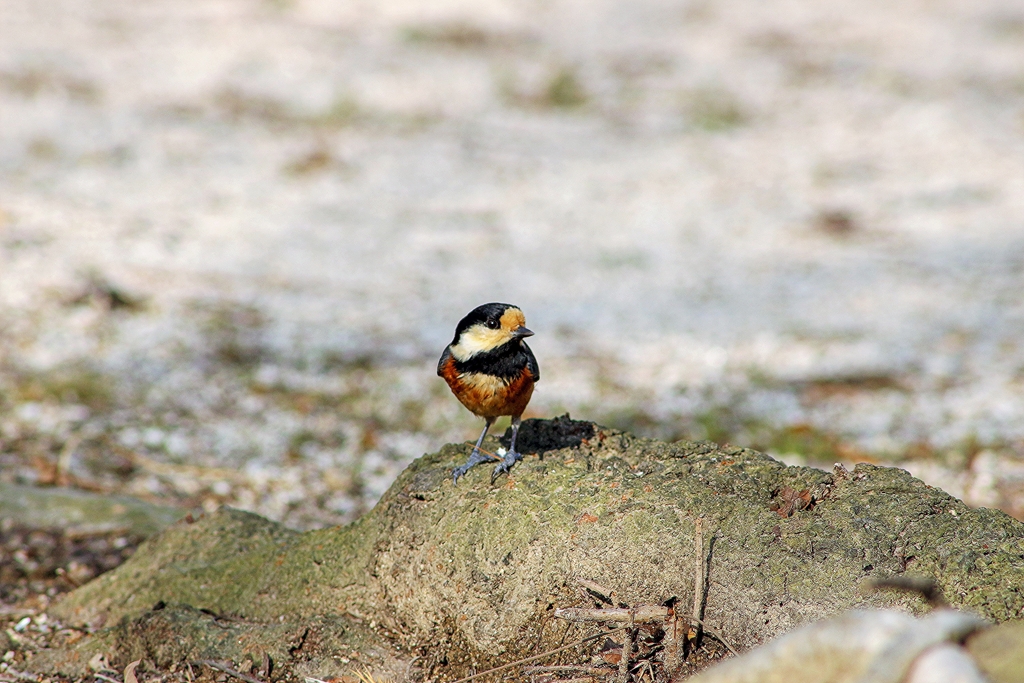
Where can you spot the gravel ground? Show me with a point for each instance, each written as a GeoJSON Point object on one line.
{"type": "Point", "coordinates": [236, 234]}
{"type": "Point", "coordinates": [36, 566]}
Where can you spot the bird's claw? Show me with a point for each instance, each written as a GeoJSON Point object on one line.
{"type": "Point", "coordinates": [475, 458]}
{"type": "Point", "coordinates": [510, 459]}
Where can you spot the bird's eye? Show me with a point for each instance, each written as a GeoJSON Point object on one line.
{"type": "Point", "coordinates": [493, 324]}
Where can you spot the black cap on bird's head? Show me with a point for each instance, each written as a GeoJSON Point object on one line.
{"type": "Point", "coordinates": [487, 327]}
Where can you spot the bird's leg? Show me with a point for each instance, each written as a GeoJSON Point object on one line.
{"type": "Point", "coordinates": [475, 458]}
{"type": "Point", "coordinates": [512, 457]}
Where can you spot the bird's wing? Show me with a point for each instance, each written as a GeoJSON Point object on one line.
{"type": "Point", "coordinates": [444, 359]}
{"type": "Point", "coordinates": [531, 363]}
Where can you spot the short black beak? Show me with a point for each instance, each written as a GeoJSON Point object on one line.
{"type": "Point", "coordinates": [521, 332]}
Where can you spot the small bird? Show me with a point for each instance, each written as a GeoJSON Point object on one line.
{"type": "Point", "coordinates": [491, 370]}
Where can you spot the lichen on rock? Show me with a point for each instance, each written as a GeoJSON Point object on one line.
{"type": "Point", "coordinates": [463, 577]}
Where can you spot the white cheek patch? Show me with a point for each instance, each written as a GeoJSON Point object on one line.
{"type": "Point", "coordinates": [478, 339]}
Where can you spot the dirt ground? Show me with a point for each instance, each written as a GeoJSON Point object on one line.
{"type": "Point", "coordinates": [236, 234]}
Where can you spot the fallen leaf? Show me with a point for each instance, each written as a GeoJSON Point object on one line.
{"type": "Point", "coordinates": [99, 662]}
{"type": "Point", "coordinates": [791, 500]}
{"type": "Point", "coordinates": [129, 672]}
{"type": "Point", "coordinates": [611, 651]}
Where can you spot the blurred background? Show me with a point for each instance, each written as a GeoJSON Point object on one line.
{"type": "Point", "coordinates": [235, 235]}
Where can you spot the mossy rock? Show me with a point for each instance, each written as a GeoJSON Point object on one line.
{"type": "Point", "coordinates": [82, 512]}
{"type": "Point", "coordinates": [464, 577]}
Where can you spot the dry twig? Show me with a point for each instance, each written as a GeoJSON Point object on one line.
{"type": "Point", "coordinates": [643, 614]}
{"type": "Point", "coordinates": [673, 640]}
{"type": "Point", "coordinates": [698, 576]}
{"type": "Point", "coordinates": [213, 664]}
{"type": "Point", "coordinates": [519, 662]}
{"type": "Point", "coordinates": [566, 668]}
{"type": "Point", "coordinates": [605, 595]}
{"type": "Point", "coordinates": [627, 651]}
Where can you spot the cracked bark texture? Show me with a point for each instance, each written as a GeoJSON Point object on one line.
{"type": "Point", "coordinates": [461, 578]}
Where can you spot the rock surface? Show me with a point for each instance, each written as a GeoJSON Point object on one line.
{"type": "Point", "coordinates": [81, 511]}
{"type": "Point", "coordinates": [465, 577]}
{"type": "Point", "coordinates": [861, 646]}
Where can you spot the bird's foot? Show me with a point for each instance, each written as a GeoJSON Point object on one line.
{"type": "Point", "coordinates": [475, 458]}
{"type": "Point", "coordinates": [510, 459]}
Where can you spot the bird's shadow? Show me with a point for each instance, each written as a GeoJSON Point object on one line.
{"type": "Point", "coordinates": [538, 436]}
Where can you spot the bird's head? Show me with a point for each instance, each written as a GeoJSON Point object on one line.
{"type": "Point", "coordinates": [487, 328]}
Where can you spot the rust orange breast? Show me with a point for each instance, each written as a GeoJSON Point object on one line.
{"type": "Point", "coordinates": [487, 395]}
